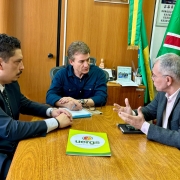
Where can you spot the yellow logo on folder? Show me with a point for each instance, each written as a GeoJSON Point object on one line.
{"type": "Point", "coordinates": [87, 143]}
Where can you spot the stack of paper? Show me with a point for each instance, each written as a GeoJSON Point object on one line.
{"type": "Point", "coordinates": [126, 83]}
{"type": "Point", "coordinates": [85, 143]}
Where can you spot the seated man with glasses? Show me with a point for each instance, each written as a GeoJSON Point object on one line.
{"type": "Point", "coordinates": [79, 84]}
{"type": "Point", "coordinates": [165, 107]}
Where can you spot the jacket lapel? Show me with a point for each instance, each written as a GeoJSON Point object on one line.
{"type": "Point", "coordinates": [12, 100]}
{"type": "Point", "coordinates": [161, 111]}
{"type": "Point", "coordinates": [175, 104]}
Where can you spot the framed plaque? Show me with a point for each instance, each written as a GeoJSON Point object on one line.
{"type": "Point", "coordinates": [165, 9]}
{"type": "Point", "coordinates": [114, 1]}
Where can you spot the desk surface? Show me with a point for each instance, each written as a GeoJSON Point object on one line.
{"type": "Point", "coordinates": [133, 156]}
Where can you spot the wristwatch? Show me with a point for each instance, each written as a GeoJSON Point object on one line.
{"type": "Point", "coordinates": [82, 101]}
{"type": "Point", "coordinates": [51, 110]}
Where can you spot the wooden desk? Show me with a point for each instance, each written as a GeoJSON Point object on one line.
{"type": "Point", "coordinates": [117, 94]}
{"type": "Point", "coordinates": [133, 156]}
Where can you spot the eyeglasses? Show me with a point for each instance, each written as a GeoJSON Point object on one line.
{"type": "Point", "coordinates": [153, 76]}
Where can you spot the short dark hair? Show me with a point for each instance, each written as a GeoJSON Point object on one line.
{"type": "Point", "coordinates": [77, 47]}
{"type": "Point", "coordinates": [8, 45]}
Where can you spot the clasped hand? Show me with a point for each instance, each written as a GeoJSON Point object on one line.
{"type": "Point", "coordinates": [63, 116]}
{"type": "Point", "coordinates": [70, 103]}
{"type": "Point", "coordinates": [126, 114]}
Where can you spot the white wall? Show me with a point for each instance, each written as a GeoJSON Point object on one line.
{"type": "Point", "coordinates": [157, 36]}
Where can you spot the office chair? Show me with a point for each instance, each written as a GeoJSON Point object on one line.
{"type": "Point", "coordinates": [107, 76]}
{"type": "Point", "coordinates": [92, 60]}
{"type": "Point", "coordinates": [54, 70]}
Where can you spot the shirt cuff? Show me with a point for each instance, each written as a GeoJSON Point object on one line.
{"type": "Point", "coordinates": [48, 112]}
{"type": "Point", "coordinates": [51, 124]}
{"type": "Point", "coordinates": [145, 127]}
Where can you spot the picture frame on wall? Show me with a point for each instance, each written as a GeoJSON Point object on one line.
{"type": "Point", "coordinates": [165, 9]}
{"type": "Point", "coordinates": [114, 1]}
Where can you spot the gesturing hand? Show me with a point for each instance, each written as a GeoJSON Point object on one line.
{"type": "Point", "coordinates": [127, 109]}
{"type": "Point", "coordinates": [136, 121]}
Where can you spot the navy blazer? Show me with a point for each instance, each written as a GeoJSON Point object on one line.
{"type": "Point", "coordinates": [11, 129]}
{"type": "Point", "coordinates": [154, 110]}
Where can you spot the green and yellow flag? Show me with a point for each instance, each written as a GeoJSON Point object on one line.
{"type": "Point", "coordinates": [138, 37]}
{"type": "Point", "coordinates": [171, 41]}
{"type": "Point", "coordinates": [134, 25]}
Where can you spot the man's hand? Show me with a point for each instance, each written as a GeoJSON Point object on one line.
{"type": "Point", "coordinates": [70, 103]}
{"type": "Point", "coordinates": [126, 109]}
{"type": "Point", "coordinates": [64, 120]}
{"type": "Point", "coordinates": [136, 121]}
{"type": "Point", "coordinates": [64, 100]}
{"type": "Point", "coordinates": [57, 112]}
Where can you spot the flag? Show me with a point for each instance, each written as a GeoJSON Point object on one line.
{"type": "Point", "coordinates": [144, 64]}
{"type": "Point", "coordinates": [171, 41]}
{"type": "Point", "coordinates": [136, 19]}
{"type": "Point", "coordinates": [134, 24]}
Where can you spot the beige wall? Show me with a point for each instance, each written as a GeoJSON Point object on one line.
{"type": "Point", "coordinates": [104, 27]}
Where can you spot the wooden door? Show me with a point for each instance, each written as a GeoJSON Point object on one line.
{"type": "Point", "coordinates": [34, 22]}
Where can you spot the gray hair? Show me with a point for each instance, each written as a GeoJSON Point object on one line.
{"type": "Point", "coordinates": [169, 65]}
{"type": "Point", "coordinates": [77, 47]}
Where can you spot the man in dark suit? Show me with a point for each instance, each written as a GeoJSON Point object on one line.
{"type": "Point", "coordinates": [165, 108]}
{"type": "Point", "coordinates": [13, 102]}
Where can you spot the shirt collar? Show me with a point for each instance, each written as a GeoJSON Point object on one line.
{"type": "Point", "coordinates": [2, 88]}
{"type": "Point", "coordinates": [173, 95]}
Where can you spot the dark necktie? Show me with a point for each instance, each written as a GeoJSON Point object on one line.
{"type": "Point", "coordinates": [6, 100]}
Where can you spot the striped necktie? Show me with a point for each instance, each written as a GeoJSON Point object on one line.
{"type": "Point", "coordinates": [6, 100]}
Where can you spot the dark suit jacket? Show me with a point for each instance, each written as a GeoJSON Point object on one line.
{"type": "Point", "coordinates": [154, 110]}
{"type": "Point", "coordinates": [11, 129]}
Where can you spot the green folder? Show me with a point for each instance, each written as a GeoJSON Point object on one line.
{"type": "Point", "coordinates": [83, 143]}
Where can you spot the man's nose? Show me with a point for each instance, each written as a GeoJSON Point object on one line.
{"type": "Point", "coordinates": [21, 65]}
{"type": "Point", "coordinates": [86, 63]}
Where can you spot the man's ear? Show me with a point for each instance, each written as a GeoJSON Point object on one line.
{"type": "Point", "coordinates": [1, 63]}
{"type": "Point", "coordinates": [169, 80]}
{"type": "Point", "coordinates": [71, 61]}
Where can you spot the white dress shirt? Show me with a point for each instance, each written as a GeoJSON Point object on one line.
{"type": "Point", "coordinates": [170, 102]}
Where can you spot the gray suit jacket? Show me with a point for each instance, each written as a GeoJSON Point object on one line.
{"type": "Point", "coordinates": [154, 110]}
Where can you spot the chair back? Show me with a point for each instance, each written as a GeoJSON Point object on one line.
{"type": "Point", "coordinates": [107, 76]}
{"type": "Point", "coordinates": [54, 70]}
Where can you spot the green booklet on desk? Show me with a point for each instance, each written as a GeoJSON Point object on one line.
{"type": "Point", "coordinates": [79, 114]}
{"type": "Point", "coordinates": [83, 143]}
